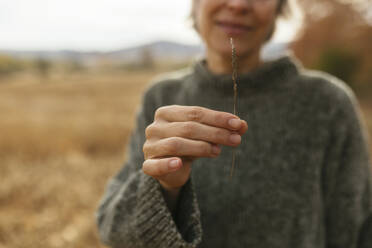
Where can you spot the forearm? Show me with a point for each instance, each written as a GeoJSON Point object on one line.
{"type": "Point", "coordinates": [171, 198]}
{"type": "Point", "coordinates": [136, 213]}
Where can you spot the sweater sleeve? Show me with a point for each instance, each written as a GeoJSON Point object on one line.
{"type": "Point", "coordinates": [347, 183]}
{"type": "Point", "coordinates": [133, 212]}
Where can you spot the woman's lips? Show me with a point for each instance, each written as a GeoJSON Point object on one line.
{"type": "Point", "coordinates": [233, 29]}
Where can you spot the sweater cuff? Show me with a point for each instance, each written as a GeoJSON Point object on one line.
{"type": "Point", "coordinates": [155, 223]}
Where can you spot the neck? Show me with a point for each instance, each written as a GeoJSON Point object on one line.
{"type": "Point", "coordinates": [221, 64]}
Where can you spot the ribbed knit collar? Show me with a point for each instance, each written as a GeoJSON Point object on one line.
{"type": "Point", "coordinates": [268, 74]}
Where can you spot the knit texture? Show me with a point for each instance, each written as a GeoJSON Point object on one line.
{"type": "Point", "coordinates": [302, 177]}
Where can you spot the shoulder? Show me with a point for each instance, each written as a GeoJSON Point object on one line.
{"type": "Point", "coordinates": [331, 96]}
{"type": "Point", "coordinates": [326, 87]}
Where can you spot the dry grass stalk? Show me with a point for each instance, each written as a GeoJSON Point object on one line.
{"type": "Point", "coordinates": [234, 78]}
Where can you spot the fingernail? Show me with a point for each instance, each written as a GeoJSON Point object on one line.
{"type": "Point", "coordinates": [174, 164]}
{"type": "Point", "coordinates": [235, 123]}
{"type": "Point", "coordinates": [216, 150]}
{"type": "Point", "coordinates": [235, 138]}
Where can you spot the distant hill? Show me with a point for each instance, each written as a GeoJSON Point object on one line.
{"type": "Point", "coordinates": [158, 51]}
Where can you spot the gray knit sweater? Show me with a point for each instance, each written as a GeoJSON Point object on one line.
{"type": "Point", "coordinates": [302, 177]}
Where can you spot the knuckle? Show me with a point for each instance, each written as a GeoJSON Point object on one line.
{"type": "Point", "coordinates": [195, 113]}
{"type": "Point", "coordinates": [206, 149]}
{"type": "Point", "coordinates": [150, 130]}
{"type": "Point", "coordinates": [145, 168]}
{"type": "Point", "coordinates": [187, 129]}
{"type": "Point", "coordinates": [159, 113]}
{"type": "Point", "coordinates": [146, 150]}
{"type": "Point", "coordinates": [172, 145]}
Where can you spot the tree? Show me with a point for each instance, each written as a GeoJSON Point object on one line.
{"type": "Point", "coordinates": [43, 67]}
{"type": "Point", "coordinates": [147, 60]}
{"type": "Point", "coordinates": [9, 65]}
{"type": "Point", "coordinates": [337, 38]}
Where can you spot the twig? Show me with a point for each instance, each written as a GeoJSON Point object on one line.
{"type": "Point", "coordinates": [234, 78]}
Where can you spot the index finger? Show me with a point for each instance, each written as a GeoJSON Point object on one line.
{"type": "Point", "coordinates": [176, 113]}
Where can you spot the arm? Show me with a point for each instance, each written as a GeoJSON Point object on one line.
{"type": "Point", "coordinates": [133, 211]}
{"type": "Point", "coordinates": [171, 198]}
{"type": "Point", "coordinates": [151, 202]}
{"type": "Point", "coordinates": [347, 183]}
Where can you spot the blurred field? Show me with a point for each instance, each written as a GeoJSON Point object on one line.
{"type": "Point", "coordinates": [59, 143]}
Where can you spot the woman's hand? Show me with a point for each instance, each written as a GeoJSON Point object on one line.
{"type": "Point", "coordinates": [181, 134]}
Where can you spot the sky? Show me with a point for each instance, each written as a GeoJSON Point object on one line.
{"type": "Point", "coordinates": [97, 24]}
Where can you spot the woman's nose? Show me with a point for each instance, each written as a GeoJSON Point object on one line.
{"type": "Point", "coordinates": [239, 5]}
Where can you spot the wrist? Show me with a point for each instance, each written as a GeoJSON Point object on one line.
{"type": "Point", "coordinates": [172, 191]}
{"type": "Point", "coordinates": [170, 196]}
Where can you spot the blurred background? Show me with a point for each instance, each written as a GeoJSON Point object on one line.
{"type": "Point", "coordinates": [71, 78]}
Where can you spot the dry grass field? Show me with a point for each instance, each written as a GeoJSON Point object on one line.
{"type": "Point", "coordinates": [59, 143]}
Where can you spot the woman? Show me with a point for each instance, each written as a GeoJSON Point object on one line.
{"type": "Point", "coordinates": [302, 176]}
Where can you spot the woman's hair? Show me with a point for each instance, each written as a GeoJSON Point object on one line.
{"type": "Point", "coordinates": [284, 10]}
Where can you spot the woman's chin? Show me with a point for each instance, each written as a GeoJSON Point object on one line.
{"type": "Point", "coordinates": [223, 49]}
{"type": "Point", "coordinates": [226, 51]}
